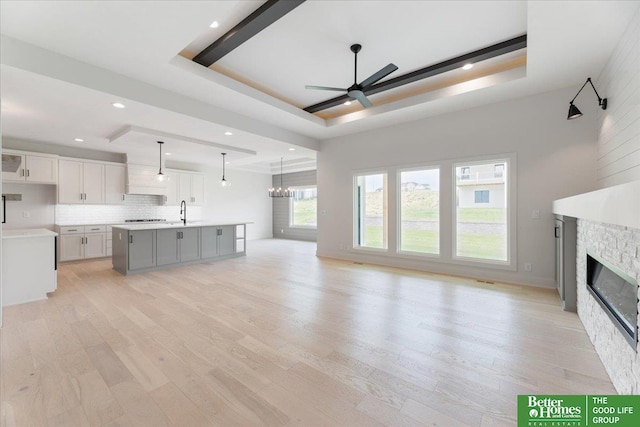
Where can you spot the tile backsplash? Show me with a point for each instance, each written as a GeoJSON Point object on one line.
{"type": "Point", "coordinates": [136, 206]}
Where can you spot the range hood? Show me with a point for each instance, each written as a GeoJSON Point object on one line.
{"type": "Point", "coordinates": [141, 179]}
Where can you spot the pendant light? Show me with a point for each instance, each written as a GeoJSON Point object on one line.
{"type": "Point", "coordinates": [223, 181]}
{"type": "Point", "coordinates": [161, 177]}
{"type": "Point", "coordinates": [280, 192]}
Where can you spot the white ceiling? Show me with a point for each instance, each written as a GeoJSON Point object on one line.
{"type": "Point", "coordinates": [64, 63]}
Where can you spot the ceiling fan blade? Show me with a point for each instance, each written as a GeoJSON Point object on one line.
{"type": "Point", "coordinates": [359, 95]}
{"type": "Point", "coordinates": [379, 75]}
{"type": "Point", "coordinates": [338, 89]}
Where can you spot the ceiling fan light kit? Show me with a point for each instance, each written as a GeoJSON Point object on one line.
{"type": "Point", "coordinates": [574, 112]}
{"type": "Point", "coordinates": [357, 90]}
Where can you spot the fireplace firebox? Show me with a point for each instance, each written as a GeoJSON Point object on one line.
{"type": "Point", "coordinates": [617, 294]}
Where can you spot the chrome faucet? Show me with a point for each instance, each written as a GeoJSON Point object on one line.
{"type": "Point", "coordinates": [183, 208]}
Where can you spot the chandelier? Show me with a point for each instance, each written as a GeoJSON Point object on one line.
{"type": "Point", "coordinates": [281, 192]}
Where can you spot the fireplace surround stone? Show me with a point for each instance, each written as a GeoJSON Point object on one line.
{"type": "Point", "coordinates": [620, 246]}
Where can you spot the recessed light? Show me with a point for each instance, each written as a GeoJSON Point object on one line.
{"type": "Point", "coordinates": [214, 24]}
{"type": "Point", "coordinates": [78, 140]}
{"type": "Point", "coordinates": [467, 66]}
{"type": "Point", "coordinates": [118, 105]}
{"type": "Point", "coordinates": [292, 149]}
{"type": "Point", "coordinates": [167, 154]}
{"type": "Point", "coordinates": [228, 133]}
{"type": "Point", "coordinates": [347, 102]}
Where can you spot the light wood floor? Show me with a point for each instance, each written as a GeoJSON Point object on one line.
{"type": "Point", "coordinates": [281, 338]}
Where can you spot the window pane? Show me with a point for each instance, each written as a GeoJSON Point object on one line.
{"type": "Point", "coordinates": [304, 207]}
{"type": "Point", "coordinates": [481, 213]}
{"type": "Point", "coordinates": [420, 211]}
{"type": "Point", "coordinates": [371, 211]}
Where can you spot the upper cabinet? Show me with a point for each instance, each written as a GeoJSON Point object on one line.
{"type": "Point", "coordinates": [25, 167]}
{"type": "Point", "coordinates": [114, 184]}
{"type": "Point", "coordinates": [185, 186]}
{"type": "Point", "coordinates": [81, 182]}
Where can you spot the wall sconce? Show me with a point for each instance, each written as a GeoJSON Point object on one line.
{"type": "Point", "coordinates": [574, 112]}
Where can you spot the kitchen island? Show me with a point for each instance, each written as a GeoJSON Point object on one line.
{"type": "Point", "coordinates": [29, 265]}
{"type": "Point", "coordinates": [138, 248]}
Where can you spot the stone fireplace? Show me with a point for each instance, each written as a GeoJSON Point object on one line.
{"type": "Point", "coordinates": [608, 228]}
{"type": "Point", "coordinates": [620, 247]}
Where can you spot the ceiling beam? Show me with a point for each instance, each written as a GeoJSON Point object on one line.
{"type": "Point", "coordinates": [498, 49]}
{"type": "Point", "coordinates": [260, 19]}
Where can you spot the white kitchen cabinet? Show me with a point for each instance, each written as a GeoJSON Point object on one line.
{"type": "Point", "coordinates": [95, 245]}
{"type": "Point", "coordinates": [114, 184]}
{"type": "Point", "coordinates": [197, 189]}
{"type": "Point", "coordinates": [81, 182]}
{"type": "Point", "coordinates": [82, 242]}
{"type": "Point", "coordinates": [172, 195]}
{"type": "Point", "coordinates": [184, 187]}
{"type": "Point", "coordinates": [71, 247]}
{"type": "Point", "coordinates": [187, 186]}
{"type": "Point", "coordinates": [23, 167]}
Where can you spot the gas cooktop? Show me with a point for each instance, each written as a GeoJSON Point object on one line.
{"type": "Point", "coordinates": [146, 220]}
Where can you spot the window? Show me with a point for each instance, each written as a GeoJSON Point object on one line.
{"type": "Point", "coordinates": [464, 172]}
{"type": "Point", "coordinates": [481, 226]}
{"type": "Point", "coordinates": [420, 211]}
{"type": "Point", "coordinates": [370, 208]}
{"type": "Point", "coordinates": [304, 207]}
{"type": "Point", "coordinates": [481, 196]}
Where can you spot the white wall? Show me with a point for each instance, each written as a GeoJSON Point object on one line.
{"type": "Point", "coordinates": [619, 124]}
{"type": "Point", "coordinates": [555, 158]}
{"type": "Point", "coordinates": [246, 200]}
{"type": "Point", "coordinates": [37, 202]}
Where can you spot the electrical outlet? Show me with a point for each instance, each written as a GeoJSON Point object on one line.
{"type": "Point", "coordinates": [282, 230]}
{"type": "Point", "coordinates": [26, 214]}
{"type": "Point", "coordinates": [535, 214]}
{"type": "Point", "coordinates": [528, 266]}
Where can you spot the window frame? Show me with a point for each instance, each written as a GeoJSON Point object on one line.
{"type": "Point", "coordinates": [356, 213]}
{"type": "Point", "coordinates": [291, 202]}
{"type": "Point", "coordinates": [510, 176]}
{"type": "Point", "coordinates": [399, 249]}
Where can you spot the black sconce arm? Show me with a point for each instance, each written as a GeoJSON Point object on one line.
{"type": "Point", "coordinates": [602, 102]}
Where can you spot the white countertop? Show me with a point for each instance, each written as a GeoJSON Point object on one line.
{"type": "Point", "coordinates": [155, 226]}
{"type": "Point", "coordinates": [27, 233]}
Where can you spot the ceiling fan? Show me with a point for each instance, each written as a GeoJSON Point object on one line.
{"type": "Point", "coordinates": [356, 91]}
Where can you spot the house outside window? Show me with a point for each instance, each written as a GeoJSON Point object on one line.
{"type": "Point", "coordinates": [481, 214]}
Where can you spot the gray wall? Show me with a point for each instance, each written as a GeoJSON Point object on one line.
{"type": "Point", "coordinates": [281, 212]}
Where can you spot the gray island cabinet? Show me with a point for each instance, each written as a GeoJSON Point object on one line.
{"type": "Point", "coordinates": [144, 247]}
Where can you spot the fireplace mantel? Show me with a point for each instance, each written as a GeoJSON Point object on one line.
{"type": "Point", "coordinates": [617, 205]}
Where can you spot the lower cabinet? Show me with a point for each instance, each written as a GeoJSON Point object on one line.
{"type": "Point", "coordinates": [218, 241]}
{"type": "Point", "coordinates": [136, 251]}
{"type": "Point", "coordinates": [142, 249]}
{"type": "Point", "coordinates": [178, 245]}
{"type": "Point", "coordinates": [82, 242]}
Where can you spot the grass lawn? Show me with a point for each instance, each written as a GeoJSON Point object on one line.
{"type": "Point", "coordinates": [305, 212]}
